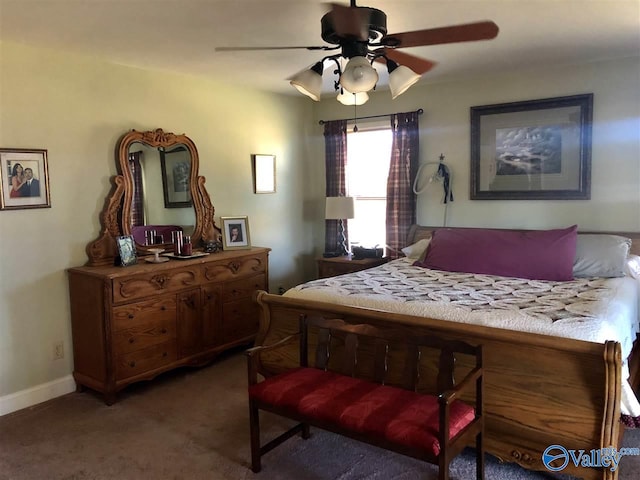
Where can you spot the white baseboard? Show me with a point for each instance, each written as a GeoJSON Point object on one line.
{"type": "Point", "coordinates": [38, 394]}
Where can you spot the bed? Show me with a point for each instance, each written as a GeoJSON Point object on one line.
{"type": "Point", "coordinates": [556, 378]}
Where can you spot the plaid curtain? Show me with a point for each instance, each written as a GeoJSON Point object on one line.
{"type": "Point", "coordinates": [335, 148]}
{"type": "Point", "coordinates": [137, 208]}
{"type": "Point", "coordinates": [401, 201]}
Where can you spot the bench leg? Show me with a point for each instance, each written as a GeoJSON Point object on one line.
{"type": "Point", "coordinates": [306, 431]}
{"type": "Point", "coordinates": [443, 470]}
{"type": "Point", "coordinates": [479, 457]}
{"type": "Point", "coordinates": [254, 427]}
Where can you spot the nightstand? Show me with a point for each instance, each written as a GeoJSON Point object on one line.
{"type": "Point", "coordinates": [330, 267]}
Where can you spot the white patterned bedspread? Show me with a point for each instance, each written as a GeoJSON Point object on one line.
{"type": "Point", "coordinates": [591, 309]}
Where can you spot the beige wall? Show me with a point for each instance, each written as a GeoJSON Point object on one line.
{"type": "Point", "coordinates": [77, 108]}
{"type": "Point", "coordinates": [615, 180]}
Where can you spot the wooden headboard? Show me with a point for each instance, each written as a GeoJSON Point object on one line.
{"type": "Point", "coordinates": [418, 232]}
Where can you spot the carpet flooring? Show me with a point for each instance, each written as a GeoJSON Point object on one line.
{"type": "Point", "coordinates": [192, 424]}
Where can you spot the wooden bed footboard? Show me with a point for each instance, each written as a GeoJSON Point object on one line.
{"type": "Point", "coordinates": [539, 390]}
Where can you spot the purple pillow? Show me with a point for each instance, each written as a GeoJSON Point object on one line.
{"type": "Point", "coordinates": [532, 254]}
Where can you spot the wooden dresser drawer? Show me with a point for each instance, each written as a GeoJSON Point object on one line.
{"type": "Point", "coordinates": [244, 287]}
{"type": "Point", "coordinates": [141, 361]}
{"type": "Point", "coordinates": [143, 313]}
{"type": "Point", "coordinates": [144, 335]}
{"type": "Point", "coordinates": [240, 319]}
{"type": "Point", "coordinates": [143, 285]}
{"type": "Point", "coordinates": [242, 266]}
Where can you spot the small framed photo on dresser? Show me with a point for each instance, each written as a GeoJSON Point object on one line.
{"type": "Point", "coordinates": [235, 233]}
{"type": "Point", "coordinates": [127, 250]}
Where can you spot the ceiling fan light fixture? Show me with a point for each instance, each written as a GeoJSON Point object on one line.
{"type": "Point", "coordinates": [358, 76]}
{"type": "Point", "coordinates": [309, 82]}
{"type": "Point", "coordinates": [348, 98]}
{"type": "Point", "coordinates": [400, 78]}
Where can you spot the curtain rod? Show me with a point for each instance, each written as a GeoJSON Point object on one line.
{"type": "Point", "coordinates": [419, 112]}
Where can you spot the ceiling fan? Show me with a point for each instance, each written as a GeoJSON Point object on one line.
{"type": "Point", "coordinates": [360, 33]}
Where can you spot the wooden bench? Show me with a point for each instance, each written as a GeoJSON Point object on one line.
{"type": "Point", "coordinates": [431, 427]}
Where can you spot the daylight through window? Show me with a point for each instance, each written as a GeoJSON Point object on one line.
{"type": "Point", "coordinates": [368, 157]}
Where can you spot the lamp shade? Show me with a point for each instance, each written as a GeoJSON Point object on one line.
{"type": "Point", "coordinates": [358, 76]}
{"type": "Point", "coordinates": [400, 79]}
{"type": "Point", "coordinates": [338, 208]}
{"type": "Point", "coordinates": [309, 82]}
{"type": "Point", "coordinates": [347, 98]}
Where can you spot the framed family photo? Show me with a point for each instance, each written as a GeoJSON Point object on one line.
{"type": "Point", "coordinates": [235, 233]}
{"type": "Point", "coordinates": [24, 179]}
{"type": "Point", "coordinates": [127, 250]}
{"type": "Point", "coordinates": [532, 150]}
{"type": "Point", "coordinates": [176, 176]}
{"type": "Point", "coordinates": [264, 173]}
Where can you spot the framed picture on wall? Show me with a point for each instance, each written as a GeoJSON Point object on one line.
{"type": "Point", "coordinates": [24, 179]}
{"type": "Point", "coordinates": [264, 173]}
{"type": "Point", "coordinates": [235, 233]}
{"type": "Point", "coordinates": [176, 176]}
{"type": "Point", "coordinates": [532, 150]}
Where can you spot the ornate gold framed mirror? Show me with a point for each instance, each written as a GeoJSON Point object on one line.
{"type": "Point", "coordinates": [158, 189]}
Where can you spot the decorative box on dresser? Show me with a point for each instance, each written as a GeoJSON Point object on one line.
{"type": "Point", "coordinates": [132, 323]}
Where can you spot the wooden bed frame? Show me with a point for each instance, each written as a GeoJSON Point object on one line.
{"type": "Point", "coordinates": [539, 390]}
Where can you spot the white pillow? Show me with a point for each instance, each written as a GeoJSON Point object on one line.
{"type": "Point", "coordinates": [632, 268]}
{"type": "Point", "coordinates": [600, 255]}
{"type": "Point", "coordinates": [417, 250]}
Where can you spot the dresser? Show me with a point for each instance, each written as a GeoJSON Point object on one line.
{"type": "Point", "coordinates": [133, 323]}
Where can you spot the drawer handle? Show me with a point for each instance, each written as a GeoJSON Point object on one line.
{"type": "Point", "coordinates": [132, 364]}
{"type": "Point", "coordinates": [131, 315]}
{"type": "Point", "coordinates": [164, 330]}
{"type": "Point", "coordinates": [164, 354]}
{"type": "Point", "coordinates": [234, 267]}
{"type": "Point", "coordinates": [159, 281]}
{"type": "Point", "coordinates": [163, 307]}
{"type": "Point", "coordinates": [131, 340]}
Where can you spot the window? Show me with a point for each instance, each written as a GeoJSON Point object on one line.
{"type": "Point", "coordinates": [368, 157]}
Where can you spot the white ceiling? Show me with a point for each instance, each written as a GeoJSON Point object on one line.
{"type": "Point", "coordinates": [180, 35]}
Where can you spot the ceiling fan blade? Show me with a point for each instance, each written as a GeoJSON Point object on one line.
{"type": "Point", "coordinates": [350, 22]}
{"type": "Point", "coordinates": [417, 64]}
{"type": "Point", "coordinates": [435, 36]}
{"type": "Point", "coordinates": [245, 49]}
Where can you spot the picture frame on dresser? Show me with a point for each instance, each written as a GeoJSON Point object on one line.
{"type": "Point", "coordinates": [532, 150]}
{"type": "Point", "coordinates": [126, 250]}
{"type": "Point", "coordinates": [24, 179]}
{"type": "Point", "coordinates": [235, 233]}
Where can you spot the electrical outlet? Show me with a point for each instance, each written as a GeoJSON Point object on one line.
{"type": "Point", "coordinates": [58, 350]}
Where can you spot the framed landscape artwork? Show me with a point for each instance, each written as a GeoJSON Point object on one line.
{"type": "Point", "coordinates": [532, 150]}
{"type": "Point", "coordinates": [24, 179]}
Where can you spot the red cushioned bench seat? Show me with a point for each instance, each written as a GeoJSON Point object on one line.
{"type": "Point", "coordinates": [397, 415]}
{"type": "Point", "coordinates": [431, 427]}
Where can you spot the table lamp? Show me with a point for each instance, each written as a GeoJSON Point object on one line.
{"type": "Point", "coordinates": [339, 208]}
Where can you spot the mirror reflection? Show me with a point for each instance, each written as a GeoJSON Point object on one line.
{"type": "Point", "coordinates": [161, 187]}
